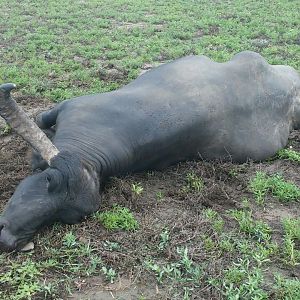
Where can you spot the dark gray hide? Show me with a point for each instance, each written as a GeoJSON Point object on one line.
{"type": "Point", "coordinates": [192, 108]}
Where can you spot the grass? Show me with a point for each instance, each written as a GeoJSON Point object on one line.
{"type": "Point", "coordinates": [287, 289]}
{"type": "Point", "coordinates": [57, 52]}
{"type": "Point", "coordinates": [289, 155]}
{"type": "Point", "coordinates": [214, 218]}
{"type": "Point", "coordinates": [284, 191]}
{"type": "Point", "coordinates": [193, 183]}
{"type": "Point", "coordinates": [259, 186]}
{"type": "Point", "coordinates": [291, 229]}
{"type": "Point", "coordinates": [5, 130]}
{"type": "Point", "coordinates": [117, 218]}
{"type": "Point", "coordinates": [60, 53]}
{"type": "Point", "coordinates": [137, 189]}
{"type": "Point", "coordinates": [26, 278]}
{"type": "Point", "coordinates": [242, 281]}
{"type": "Point", "coordinates": [257, 229]}
{"type": "Point", "coordinates": [164, 239]}
{"type": "Point", "coordinates": [183, 270]}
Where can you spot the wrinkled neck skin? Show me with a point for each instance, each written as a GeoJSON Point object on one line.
{"type": "Point", "coordinates": [103, 158]}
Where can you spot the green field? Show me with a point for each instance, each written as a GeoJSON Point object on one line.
{"type": "Point", "coordinates": [66, 48]}
{"type": "Point", "coordinates": [210, 230]}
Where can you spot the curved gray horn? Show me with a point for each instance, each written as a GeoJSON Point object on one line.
{"type": "Point", "coordinates": [23, 125]}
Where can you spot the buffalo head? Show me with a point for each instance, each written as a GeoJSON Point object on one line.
{"type": "Point", "coordinates": [66, 191]}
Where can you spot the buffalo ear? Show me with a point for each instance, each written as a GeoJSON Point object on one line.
{"type": "Point", "coordinates": [54, 180]}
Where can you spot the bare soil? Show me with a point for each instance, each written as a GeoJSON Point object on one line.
{"type": "Point", "coordinates": [225, 185]}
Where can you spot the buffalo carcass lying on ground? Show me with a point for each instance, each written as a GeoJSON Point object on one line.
{"type": "Point", "coordinates": [187, 109]}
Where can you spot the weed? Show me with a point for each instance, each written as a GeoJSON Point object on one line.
{"type": "Point", "coordinates": [218, 225]}
{"type": "Point", "coordinates": [291, 234]}
{"type": "Point", "coordinates": [257, 229]}
{"type": "Point", "coordinates": [259, 186]}
{"type": "Point", "coordinates": [233, 173]}
{"type": "Point", "coordinates": [261, 254]}
{"type": "Point", "coordinates": [164, 239]}
{"type": "Point", "coordinates": [291, 254]}
{"type": "Point", "coordinates": [210, 214]}
{"type": "Point", "coordinates": [109, 273]}
{"type": "Point", "coordinates": [159, 196]}
{"type": "Point", "coordinates": [226, 244]}
{"type": "Point", "coordinates": [285, 191]}
{"type": "Point", "coordinates": [245, 203]}
{"type": "Point", "coordinates": [194, 183]}
{"type": "Point", "coordinates": [69, 240]}
{"type": "Point", "coordinates": [6, 130]}
{"type": "Point", "coordinates": [57, 53]}
{"type": "Point", "coordinates": [112, 246]}
{"type": "Point", "coordinates": [241, 281]}
{"type": "Point", "coordinates": [286, 289]}
{"type": "Point", "coordinates": [137, 189]}
{"type": "Point", "coordinates": [118, 218]}
{"type": "Point", "coordinates": [215, 219]}
{"type": "Point", "coordinates": [289, 154]}
{"type": "Point", "coordinates": [291, 227]}
{"type": "Point", "coordinates": [208, 243]}
{"type": "Point", "coordinates": [182, 271]}
{"type": "Point", "coordinates": [23, 278]}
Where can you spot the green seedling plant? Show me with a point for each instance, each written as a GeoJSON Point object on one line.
{"type": "Point", "coordinates": [259, 230]}
{"type": "Point", "coordinates": [194, 182]}
{"type": "Point", "coordinates": [233, 173]}
{"type": "Point", "coordinates": [70, 240]}
{"type": "Point", "coordinates": [289, 154]}
{"type": "Point", "coordinates": [164, 239]}
{"type": "Point", "coordinates": [215, 219]}
{"type": "Point", "coordinates": [242, 281]}
{"type": "Point", "coordinates": [23, 278]}
{"type": "Point", "coordinates": [118, 218]}
{"type": "Point", "coordinates": [210, 214]}
{"type": "Point", "coordinates": [109, 273]}
{"type": "Point", "coordinates": [183, 270]}
{"type": "Point", "coordinates": [284, 191]}
{"type": "Point", "coordinates": [208, 243]}
{"type": "Point", "coordinates": [137, 189]}
{"type": "Point", "coordinates": [6, 130]}
{"type": "Point", "coordinates": [112, 246]}
{"type": "Point", "coordinates": [28, 278]}
{"type": "Point", "coordinates": [291, 228]}
{"type": "Point", "coordinates": [159, 196]}
{"type": "Point", "coordinates": [226, 244]}
{"type": "Point", "coordinates": [259, 186]}
{"type": "Point", "coordinates": [286, 289]}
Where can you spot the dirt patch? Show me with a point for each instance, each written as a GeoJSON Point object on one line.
{"type": "Point", "coordinates": [123, 288]}
{"type": "Point", "coordinates": [130, 26]}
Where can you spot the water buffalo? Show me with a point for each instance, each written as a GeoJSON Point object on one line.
{"type": "Point", "coordinates": [190, 108]}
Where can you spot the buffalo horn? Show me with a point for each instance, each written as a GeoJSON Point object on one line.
{"type": "Point", "coordinates": [23, 125]}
